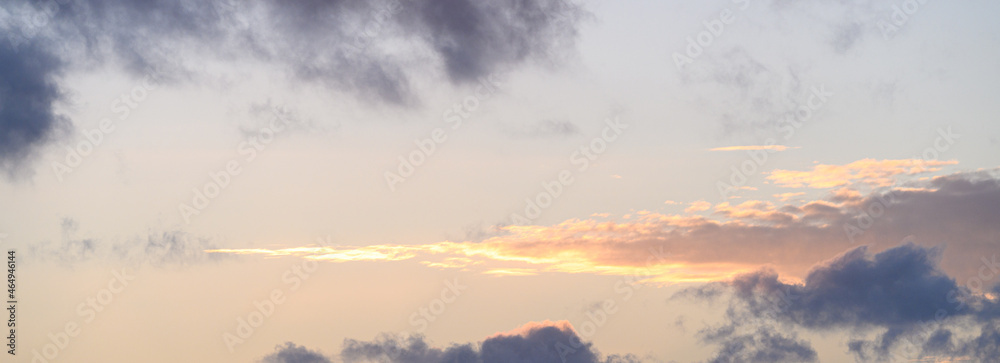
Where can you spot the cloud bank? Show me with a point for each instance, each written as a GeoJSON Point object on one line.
{"type": "Point", "coordinates": [960, 210]}
{"type": "Point", "coordinates": [900, 296]}
{"type": "Point", "coordinates": [532, 343]}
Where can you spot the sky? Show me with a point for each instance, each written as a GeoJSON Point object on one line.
{"type": "Point", "coordinates": [437, 181]}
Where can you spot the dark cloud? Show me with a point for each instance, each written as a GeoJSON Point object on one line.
{"type": "Point", "coordinates": [897, 287]}
{"type": "Point", "coordinates": [28, 93]}
{"type": "Point", "coordinates": [533, 343]}
{"type": "Point", "coordinates": [291, 353]}
{"type": "Point", "coordinates": [334, 42]}
{"type": "Point", "coordinates": [901, 294]}
{"type": "Point", "coordinates": [764, 345]}
{"type": "Point", "coordinates": [348, 46]}
{"type": "Point", "coordinates": [475, 38]}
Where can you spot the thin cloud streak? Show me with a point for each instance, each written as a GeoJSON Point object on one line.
{"type": "Point", "coordinates": [734, 238]}
{"type": "Point", "coordinates": [754, 147]}
{"type": "Point", "coordinates": [879, 173]}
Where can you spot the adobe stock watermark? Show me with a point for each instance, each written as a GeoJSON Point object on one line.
{"type": "Point", "coordinates": [897, 19]}
{"type": "Point", "coordinates": [582, 157]}
{"type": "Point", "coordinates": [714, 28]}
{"type": "Point", "coordinates": [122, 107]}
{"type": "Point", "coordinates": [29, 22]}
{"type": "Point", "coordinates": [88, 310]}
{"type": "Point", "coordinates": [867, 216]}
{"type": "Point", "coordinates": [425, 315]}
{"type": "Point", "coordinates": [376, 24]}
{"type": "Point", "coordinates": [599, 316]}
{"type": "Point", "coordinates": [247, 324]}
{"type": "Point", "coordinates": [988, 270]}
{"type": "Point", "coordinates": [788, 125]}
{"type": "Point", "coordinates": [454, 116]}
{"type": "Point", "coordinates": [220, 179]}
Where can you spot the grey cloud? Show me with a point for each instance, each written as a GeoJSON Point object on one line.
{"type": "Point", "coordinates": [319, 40]}
{"type": "Point", "coordinates": [476, 38]}
{"type": "Point", "coordinates": [896, 287]}
{"type": "Point", "coordinates": [162, 248]}
{"type": "Point", "coordinates": [537, 344]}
{"type": "Point", "coordinates": [846, 36]}
{"type": "Point", "coordinates": [764, 345]}
{"type": "Point", "coordinates": [28, 93]}
{"type": "Point", "coordinates": [758, 95]}
{"type": "Point", "coordinates": [291, 353]}
{"type": "Point", "coordinates": [545, 129]}
{"type": "Point", "coordinates": [901, 293]}
{"type": "Point", "coordinates": [347, 46]}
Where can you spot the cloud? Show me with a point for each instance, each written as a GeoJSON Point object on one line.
{"type": "Point", "coordinates": [546, 128]}
{"type": "Point", "coordinates": [754, 210]}
{"type": "Point", "coordinates": [476, 38]}
{"type": "Point", "coordinates": [698, 206]}
{"type": "Point", "coordinates": [340, 43]}
{"type": "Point", "coordinates": [872, 172]}
{"type": "Point", "coordinates": [533, 342]}
{"type": "Point", "coordinates": [754, 147]}
{"type": "Point", "coordinates": [962, 210]}
{"type": "Point", "coordinates": [28, 95]}
{"type": "Point", "coordinates": [347, 46]}
{"type": "Point", "coordinates": [160, 248]}
{"type": "Point", "coordinates": [291, 353]}
{"type": "Point", "coordinates": [901, 294]}
{"type": "Point", "coordinates": [765, 345]}
{"type": "Point", "coordinates": [894, 288]}
{"type": "Point", "coordinates": [784, 197]}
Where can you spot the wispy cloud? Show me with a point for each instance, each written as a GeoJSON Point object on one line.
{"type": "Point", "coordinates": [878, 173]}
{"type": "Point", "coordinates": [698, 206]}
{"type": "Point", "coordinates": [736, 238]}
{"type": "Point", "coordinates": [784, 197]}
{"type": "Point", "coordinates": [754, 147]}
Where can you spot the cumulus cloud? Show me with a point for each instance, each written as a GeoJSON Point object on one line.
{"type": "Point", "coordinates": [348, 46]}
{"type": "Point", "coordinates": [532, 343]}
{"type": "Point", "coordinates": [291, 353]}
{"type": "Point", "coordinates": [901, 294]}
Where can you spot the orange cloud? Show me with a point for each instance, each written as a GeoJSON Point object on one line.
{"type": "Point", "coordinates": [698, 206]}
{"type": "Point", "coordinates": [530, 327]}
{"type": "Point", "coordinates": [754, 211]}
{"type": "Point", "coordinates": [573, 246]}
{"type": "Point", "coordinates": [669, 248]}
{"type": "Point", "coordinates": [872, 172]}
{"type": "Point", "coordinates": [784, 197]}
